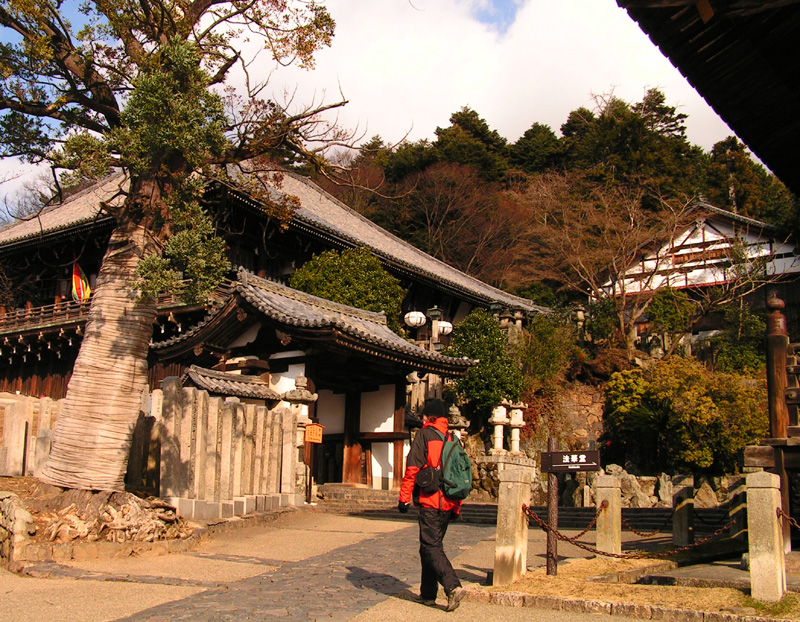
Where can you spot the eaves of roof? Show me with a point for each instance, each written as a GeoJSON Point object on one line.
{"type": "Point", "coordinates": [79, 213]}
{"type": "Point", "coordinates": [225, 383]}
{"type": "Point", "coordinates": [315, 318]}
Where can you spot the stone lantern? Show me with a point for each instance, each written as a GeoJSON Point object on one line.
{"type": "Point", "coordinates": [456, 421]}
{"type": "Point", "coordinates": [517, 423]}
{"type": "Point", "coordinates": [499, 420]}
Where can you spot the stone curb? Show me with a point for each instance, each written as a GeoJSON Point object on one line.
{"type": "Point", "coordinates": [26, 553]}
{"type": "Point", "coordinates": [630, 610]}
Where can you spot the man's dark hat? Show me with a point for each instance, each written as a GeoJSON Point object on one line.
{"type": "Point", "coordinates": [434, 409]}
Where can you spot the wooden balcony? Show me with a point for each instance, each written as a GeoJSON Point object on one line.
{"type": "Point", "coordinates": [25, 320]}
{"type": "Point", "coordinates": [69, 313]}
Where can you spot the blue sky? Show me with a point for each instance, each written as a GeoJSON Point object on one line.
{"type": "Point", "coordinates": [499, 14]}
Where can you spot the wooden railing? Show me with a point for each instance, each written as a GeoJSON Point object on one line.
{"type": "Point", "coordinates": [37, 317]}
{"type": "Point", "coordinates": [69, 311]}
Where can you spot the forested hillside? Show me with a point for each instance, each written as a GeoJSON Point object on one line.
{"type": "Point", "coordinates": [542, 216]}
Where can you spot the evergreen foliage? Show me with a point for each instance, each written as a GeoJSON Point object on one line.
{"type": "Point", "coordinates": [497, 376]}
{"type": "Point", "coordinates": [353, 277]}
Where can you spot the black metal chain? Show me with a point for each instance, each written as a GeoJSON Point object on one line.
{"type": "Point", "coordinates": [705, 522]}
{"type": "Point", "coordinates": [647, 535]}
{"type": "Point", "coordinates": [602, 507]}
{"type": "Point", "coordinates": [640, 555]}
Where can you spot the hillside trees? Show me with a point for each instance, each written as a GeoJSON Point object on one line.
{"type": "Point", "coordinates": [93, 86]}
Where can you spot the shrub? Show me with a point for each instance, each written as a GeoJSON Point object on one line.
{"type": "Point", "coordinates": [677, 414]}
{"type": "Point", "coordinates": [353, 277]}
{"type": "Point", "coordinates": [497, 376]}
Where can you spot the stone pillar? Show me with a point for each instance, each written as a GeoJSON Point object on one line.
{"type": "Point", "coordinates": [288, 458]}
{"type": "Point", "coordinates": [683, 510]}
{"type": "Point", "coordinates": [171, 485]}
{"type": "Point", "coordinates": [609, 522]}
{"type": "Point", "coordinates": [516, 423]}
{"type": "Point", "coordinates": [499, 419]}
{"type": "Point", "coordinates": [511, 544]}
{"type": "Point", "coordinates": [15, 434]}
{"type": "Point", "coordinates": [765, 535]}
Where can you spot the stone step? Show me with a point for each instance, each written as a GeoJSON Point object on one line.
{"type": "Point", "coordinates": [384, 505]}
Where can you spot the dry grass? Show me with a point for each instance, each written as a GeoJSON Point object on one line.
{"type": "Point", "coordinates": [573, 581]}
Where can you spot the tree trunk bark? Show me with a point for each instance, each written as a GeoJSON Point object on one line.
{"type": "Point", "coordinates": [93, 433]}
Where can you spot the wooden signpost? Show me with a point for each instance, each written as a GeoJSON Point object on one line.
{"type": "Point", "coordinates": [554, 462]}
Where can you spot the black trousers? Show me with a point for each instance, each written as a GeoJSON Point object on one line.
{"type": "Point", "coordinates": [436, 568]}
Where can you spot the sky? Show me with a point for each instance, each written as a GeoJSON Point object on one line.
{"type": "Point", "coordinates": [406, 65]}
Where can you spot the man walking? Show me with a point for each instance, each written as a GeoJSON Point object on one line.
{"type": "Point", "coordinates": [436, 510]}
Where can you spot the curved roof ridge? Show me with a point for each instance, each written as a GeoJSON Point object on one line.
{"type": "Point", "coordinates": [246, 278]}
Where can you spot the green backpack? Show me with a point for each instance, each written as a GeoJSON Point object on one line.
{"type": "Point", "coordinates": [455, 479]}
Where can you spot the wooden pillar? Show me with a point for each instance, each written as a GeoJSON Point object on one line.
{"type": "Point", "coordinates": [351, 464]}
{"type": "Point", "coordinates": [399, 426]}
{"type": "Point", "coordinates": [777, 344]}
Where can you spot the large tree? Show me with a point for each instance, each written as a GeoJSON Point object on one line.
{"type": "Point", "coordinates": [93, 86]}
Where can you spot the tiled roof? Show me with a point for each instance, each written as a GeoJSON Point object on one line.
{"type": "Point", "coordinates": [225, 383]}
{"type": "Point", "coordinates": [80, 209]}
{"type": "Point", "coordinates": [318, 211]}
{"type": "Point", "coordinates": [363, 330]}
{"type": "Point", "coordinates": [355, 329]}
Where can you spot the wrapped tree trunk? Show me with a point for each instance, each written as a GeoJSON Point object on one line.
{"type": "Point", "coordinates": [93, 434]}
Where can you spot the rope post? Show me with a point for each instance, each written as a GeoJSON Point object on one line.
{"type": "Point", "coordinates": [683, 510]}
{"type": "Point", "coordinates": [552, 515]}
{"type": "Point", "coordinates": [609, 521]}
{"type": "Point", "coordinates": [765, 537]}
{"type": "Point", "coordinates": [511, 544]}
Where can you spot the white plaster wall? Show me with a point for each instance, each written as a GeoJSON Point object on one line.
{"type": "Point", "coordinates": [330, 412]}
{"type": "Point", "coordinates": [377, 410]}
{"type": "Point", "coordinates": [377, 415]}
{"type": "Point", "coordinates": [382, 455]}
{"type": "Point", "coordinates": [284, 381]}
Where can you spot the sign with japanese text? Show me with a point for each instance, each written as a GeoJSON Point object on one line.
{"type": "Point", "coordinates": [569, 461]}
{"type": "Point", "coordinates": [314, 433]}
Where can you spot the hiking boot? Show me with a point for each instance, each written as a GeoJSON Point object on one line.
{"type": "Point", "coordinates": [454, 598]}
{"type": "Point", "coordinates": [428, 602]}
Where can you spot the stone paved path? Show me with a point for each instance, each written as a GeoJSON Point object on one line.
{"type": "Point", "coordinates": [337, 585]}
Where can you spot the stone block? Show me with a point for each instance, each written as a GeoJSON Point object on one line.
{"type": "Point", "coordinates": [766, 542]}
{"type": "Point", "coordinates": [226, 509]}
{"type": "Point", "coordinates": [631, 610]}
{"type": "Point", "coordinates": [543, 602]}
{"type": "Point", "coordinates": [238, 506]}
{"type": "Point", "coordinates": [675, 615]}
{"type": "Point", "coordinates": [211, 510]}
{"type": "Point", "coordinates": [272, 502]}
{"type": "Point", "coordinates": [186, 508]}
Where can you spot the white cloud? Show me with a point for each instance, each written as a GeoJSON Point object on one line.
{"type": "Point", "coordinates": [408, 65]}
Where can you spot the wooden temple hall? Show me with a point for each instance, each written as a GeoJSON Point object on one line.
{"type": "Point", "coordinates": [256, 337]}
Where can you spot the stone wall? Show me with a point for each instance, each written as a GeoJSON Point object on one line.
{"type": "Point", "coordinates": [221, 457]}
{"type": "Point", "coordinates": [16, 525]}
{"type": "Point", "coordinates": [27, 430]}
{"type": "Point", "coordinates": [580, 408]}
{"type": "Point", "coordinates": [209, 457]}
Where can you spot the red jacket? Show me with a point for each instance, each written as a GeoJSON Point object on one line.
{"type": "Point", "coordinates": [427, 448]}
